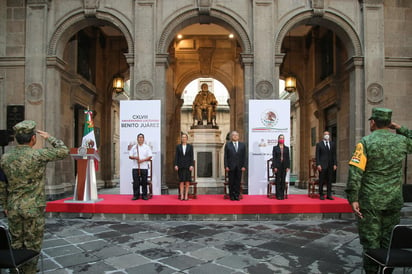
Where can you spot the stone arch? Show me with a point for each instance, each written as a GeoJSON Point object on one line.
{"type": "Point", "coordinates": [329, 20]}
{"type": "Point", "coordinates": [78, 21]}
{"type": "Point", "coordinates": [176, 84]}
{"type": "Point", "coordinates": [62, 33]}
{"type": "Point", "coordinates": [186, 79]}
{"type": "Point", "coordinates": [332, 21]}
{"type": "Point", "coordinates": [350, 38]}
{"type": "Point", "coordinates": [192, 17]}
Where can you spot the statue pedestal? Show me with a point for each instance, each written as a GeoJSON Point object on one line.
{"type": "Point", "coordinates": [207, 148]}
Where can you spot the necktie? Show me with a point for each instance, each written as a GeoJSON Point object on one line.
{"type": "Point", "coordinates": [235, 146]}
{"type": "Point", "coordinates": [327, 145]}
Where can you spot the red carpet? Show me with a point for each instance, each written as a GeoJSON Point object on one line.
{"type": "Point", "coordinates": [204, 204]}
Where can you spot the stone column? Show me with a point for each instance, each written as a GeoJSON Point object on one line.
{"type": "Point", "coordinates": [160, 92]}
{"type": "Point", "coordinates": [144, 49]}
{"type": "Point", "coordinates": [264, 44]}
{"type": "Point", "coordinates": [35, 67]}
{"type": "Point", "coordinates": [357, 114]}
{"type": "Point", "coordinates": [39, 90]}
{"type": "Point", "coordinates": [279, 58]}
{"type": "Point", "coordinates": [3, 27]}
{"type": "Point", "coordinates": [51, 116]}
{"type": "Point", "coordinates": [247, 62]}
{"type": "Point", "coordinates": [130, 61]}
{"type": "Point", "coordinates": [374, 51]}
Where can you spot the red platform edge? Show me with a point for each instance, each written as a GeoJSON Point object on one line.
{"type": "Point", "coordinates": [204, 204]}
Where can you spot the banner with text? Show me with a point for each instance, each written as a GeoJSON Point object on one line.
{"type": "Point", "coordinates": [140, 116]}
{"type": "Point", "coordinates": [267, 119]}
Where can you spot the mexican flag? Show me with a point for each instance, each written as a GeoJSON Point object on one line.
{"type": "Point", "coordinates": [89, 139]}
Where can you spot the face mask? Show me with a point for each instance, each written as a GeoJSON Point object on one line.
{"type": "Point", "coordinates": [281, 141]}
{"type": "Point", "coordinates": [326, 137]}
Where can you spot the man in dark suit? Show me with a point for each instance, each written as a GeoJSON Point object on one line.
{"type": "Point", "coordinates": [326, 164]}
{"type": "Point", "coordinates": [235, 164]}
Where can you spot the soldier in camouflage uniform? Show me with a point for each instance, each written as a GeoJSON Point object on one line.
{"type": "Point", "coordinates": [23, 195]}
{"type": "Point", "coordinates": [374, 187]}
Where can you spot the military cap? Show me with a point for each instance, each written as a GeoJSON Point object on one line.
{"type": "Point", "coordinates": [25, 127]}
{"type": "Point", "coordinates": [381, 114]}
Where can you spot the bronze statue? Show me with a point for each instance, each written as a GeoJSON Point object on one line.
{"type": "Point", "coordinates": [204, 104]}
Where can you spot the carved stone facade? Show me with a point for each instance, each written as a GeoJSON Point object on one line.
{"type": "Point", "coordinates": [348, 56]}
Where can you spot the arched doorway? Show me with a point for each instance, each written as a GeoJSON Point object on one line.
{"type": "Point", "coordinates": [318, 51]}
{"type": "Point", "coordinates": [202, 51]}
{"type": "Point", "coordinates": [204, 165]}
{"type": "Point", "coordinates": [93, 51]}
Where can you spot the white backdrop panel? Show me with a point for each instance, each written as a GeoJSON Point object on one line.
{"type": "Point", "coordinates": [267, 119]}
{"type": "Point", "coordinates": [140, 116]}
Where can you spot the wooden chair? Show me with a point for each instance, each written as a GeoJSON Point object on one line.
{"type": "Point", "coordinates": [149, 180]}
{"type": "Point", "coordinates": [192, 185]}
{"type": "Point", "coordinates": [271, 177]}
{"type": "Point", "coordinates": [313, 181]}
{"type": "Point", "coordinates": [226, 186]}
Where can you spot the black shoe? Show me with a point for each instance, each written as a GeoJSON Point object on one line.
{"type": "Point", "coordinates": [322, 197]}
{"type": "Point", "coordinates": [145, 198]}
{"type": "Point", "coordinates": [135, 198]}
{"type": "Point", "coordinates": [330, 198]}
{"type": "Point", "coordinates": [232, 198]}
{"type": "Point", "coordinates": [237, 198]}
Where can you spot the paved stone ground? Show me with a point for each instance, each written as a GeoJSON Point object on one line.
{"type": "Point", "coordinates": [112, 246]}
{"type": "Point", "coordinates": [92, 245]}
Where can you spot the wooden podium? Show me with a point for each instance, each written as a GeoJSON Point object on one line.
{"type": "Point", "coordinates": [86, 188]}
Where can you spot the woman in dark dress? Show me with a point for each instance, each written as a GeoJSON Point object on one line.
{"type": "Point", "coordinates": [184, 166]}
{"type": "Point", "coordinates": [280, 166]}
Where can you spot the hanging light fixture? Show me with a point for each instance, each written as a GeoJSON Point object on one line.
{"type": "Point", "coordinates": [118, 80]}
{"type": "Point", "coordinates": [290, 81]}
{"type": "Point", "coordinates": [118, 83]}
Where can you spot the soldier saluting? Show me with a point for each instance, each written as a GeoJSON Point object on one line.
{"type": "Point", "coordinates": [374, 187]}
{"type": "Point", "coordinates": [22, 195]}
